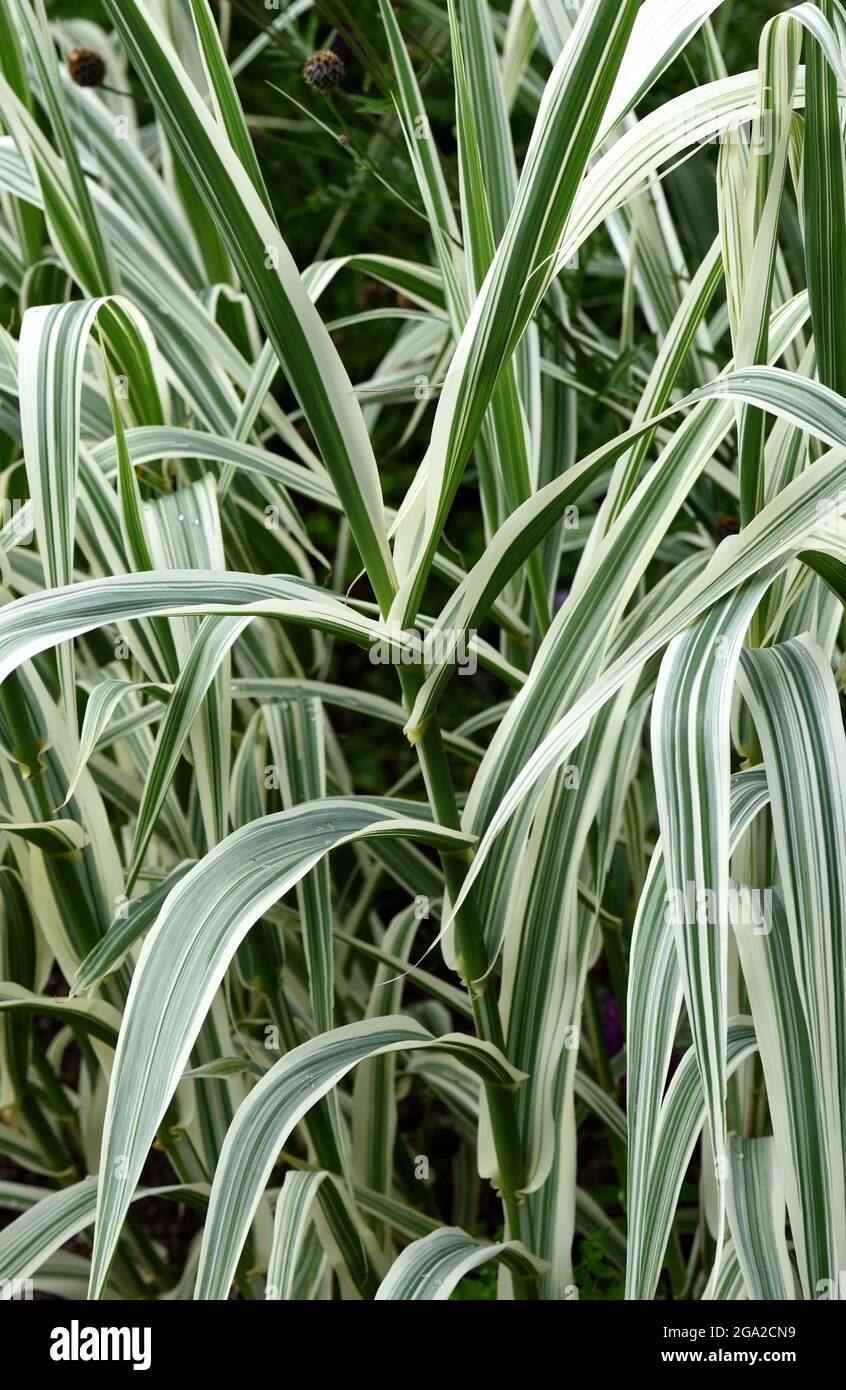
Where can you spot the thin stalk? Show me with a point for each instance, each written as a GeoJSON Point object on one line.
{"type": "Point", "coordinates": [675, 1264]}
{"type": "Point", "coordinates": [318, 1122]}
{"type": "Point", "coordinates": [158, 1266]}
{"type": "Point", "coordinates": [42, 1132]}
{"type": "Point", "coordinates": [474, 960]}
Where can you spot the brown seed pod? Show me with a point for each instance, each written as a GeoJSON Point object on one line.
{"type": "Point", "coordinates": [372, 294]}
{"type": "Point", "coordinates": [87, 67]}
{"type": "Point", "coordinates": [323, 70]}
{"type": "Point", "coordinates": [726, 526]}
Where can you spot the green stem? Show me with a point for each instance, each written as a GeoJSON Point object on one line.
{"type": "Point", "coordinates": [42, 1132]}
{"type": "Point", "coordinates": [474, 961]}
{"type": "Point", "coordinates": [318, 1122]}
{"type": "Point", "coordinates": [675, 1264]}
{"type": "Point", "coordinates": [24, 738]}
{"type": "Point", "coordinates": [158, 1266]}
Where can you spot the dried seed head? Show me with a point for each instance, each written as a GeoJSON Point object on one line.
{"type": "Point", "coordinates": [726, 526]}
{"type": "Point", "coordinates": [87, 67]}
{"type": "Point", "coordinates": [372, 294]}
{"type": "Point", "coordinates": [324, 70]}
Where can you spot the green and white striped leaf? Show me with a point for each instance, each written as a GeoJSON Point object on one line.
{"type": "Point", "coordinates": [280, 1099]}
{"type": "Point", "coordinates": [184, 958]}
{"type": "Point", "coordinates": [756, 1214]}
{"type": "Point", "coordinates": [793, 699]}
{"type": "Point", "coordinates": [432, 1267]}
{"type": "Point", "coordinates": [47, 1222]}
{"type": "Point", "coordinates": [269, 276]}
